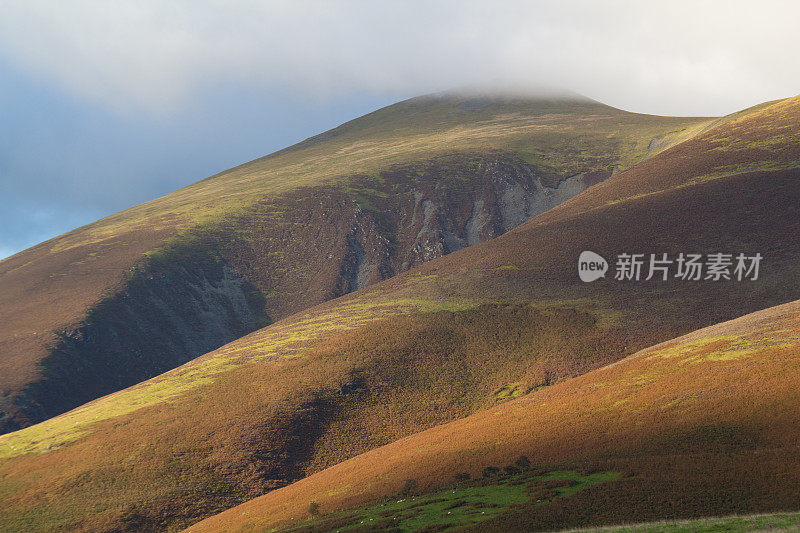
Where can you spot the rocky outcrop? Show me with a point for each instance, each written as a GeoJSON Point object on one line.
{"type": "Point", "coordinates": [504, 192]}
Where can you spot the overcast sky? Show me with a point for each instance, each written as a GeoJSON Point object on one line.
{"type": "Point", "coordinates": [104, 105]}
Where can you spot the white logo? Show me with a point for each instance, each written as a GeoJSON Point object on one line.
{"type": "Point", "coordinates": [591, 266]}
{"type": "Point", "coordinates": [659, 267]}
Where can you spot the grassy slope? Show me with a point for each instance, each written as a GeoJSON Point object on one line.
{"type": "Point", "coordinates": [51, 286]}
{"type": "Point", "coordinates": [706, 423]}
{"type": "Point", "coordinates": [353, 374]}
{"type": "Point", "coordinates": [463, 503]}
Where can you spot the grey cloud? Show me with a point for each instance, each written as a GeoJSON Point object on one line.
{"type": "Point", "coordinates": [680, 57]}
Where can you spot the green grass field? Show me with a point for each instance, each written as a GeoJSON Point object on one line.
{"type": "Point", "coordinates": [465, 504]}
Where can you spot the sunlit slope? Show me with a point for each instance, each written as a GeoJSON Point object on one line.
{"type": "Point", "coordinates": [447, 339]}
{"type": "Point", "coordinates": [559, 135]}
{"type": "Point", "coordinates": [763, 139]}
{"type": "Point", "coordinates": [704, 424]}
{"type": "Point", "coordinates": [232, 226]}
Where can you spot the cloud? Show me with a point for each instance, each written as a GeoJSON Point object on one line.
{"type": "Point", "coordinates": [66, 162]}
{"type": "Point", "coordinates": [159, 57]}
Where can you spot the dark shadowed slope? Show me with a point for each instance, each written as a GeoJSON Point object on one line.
{"type": "Point", "coordinates": [701, 425]}
{"type": "Point", "coordinates": [447, 339]}
{"type": "Point", "coordinates": [147, 289]}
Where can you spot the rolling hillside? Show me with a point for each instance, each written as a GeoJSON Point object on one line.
{"type": "Point", "coordinates": [140, 292]}
{"type": "Point", "coordinates": [705, 424]}
{"type": "Point", "coordinates": [452, 337]}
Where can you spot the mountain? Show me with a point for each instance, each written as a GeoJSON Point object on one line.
{"type": "Point", "coordinates": [145, 290]}
{"type": "Point", "coordinates": [459, 336]}
{"type": "Point", "coordinates": [705, 424]}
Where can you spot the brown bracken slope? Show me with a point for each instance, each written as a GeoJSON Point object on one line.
{"type": "Point", "coordinates": [706, 424]}
{"type": "Point", "coordinates": [447, 339]}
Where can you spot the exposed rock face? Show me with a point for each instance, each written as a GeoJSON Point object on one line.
{"type": "Point", "coordinates": [283, 256]}
{"type": "Point", "coordinates": [321, 243]}
{"type": "Point", "coordinates": [505, 193]}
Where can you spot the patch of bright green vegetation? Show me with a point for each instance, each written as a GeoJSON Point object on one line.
{"type": "Point", "coordinates": [771, 143]}
{"type": "Point", "coordinates": [728, 347]}
{"type": "Point", "coordinates": [509, 391]}
{"type": "Point", "coordinates": [690, 348]}
{"type": "Point", "coordinates": [466, 504]}
{"type": "Point", "coordinates": [766, 165]}
{"type": "Point", "coordinates": [761, 522]}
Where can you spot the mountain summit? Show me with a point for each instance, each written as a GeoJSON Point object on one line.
{"type": "Point", "coordinates": [142, 291]}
